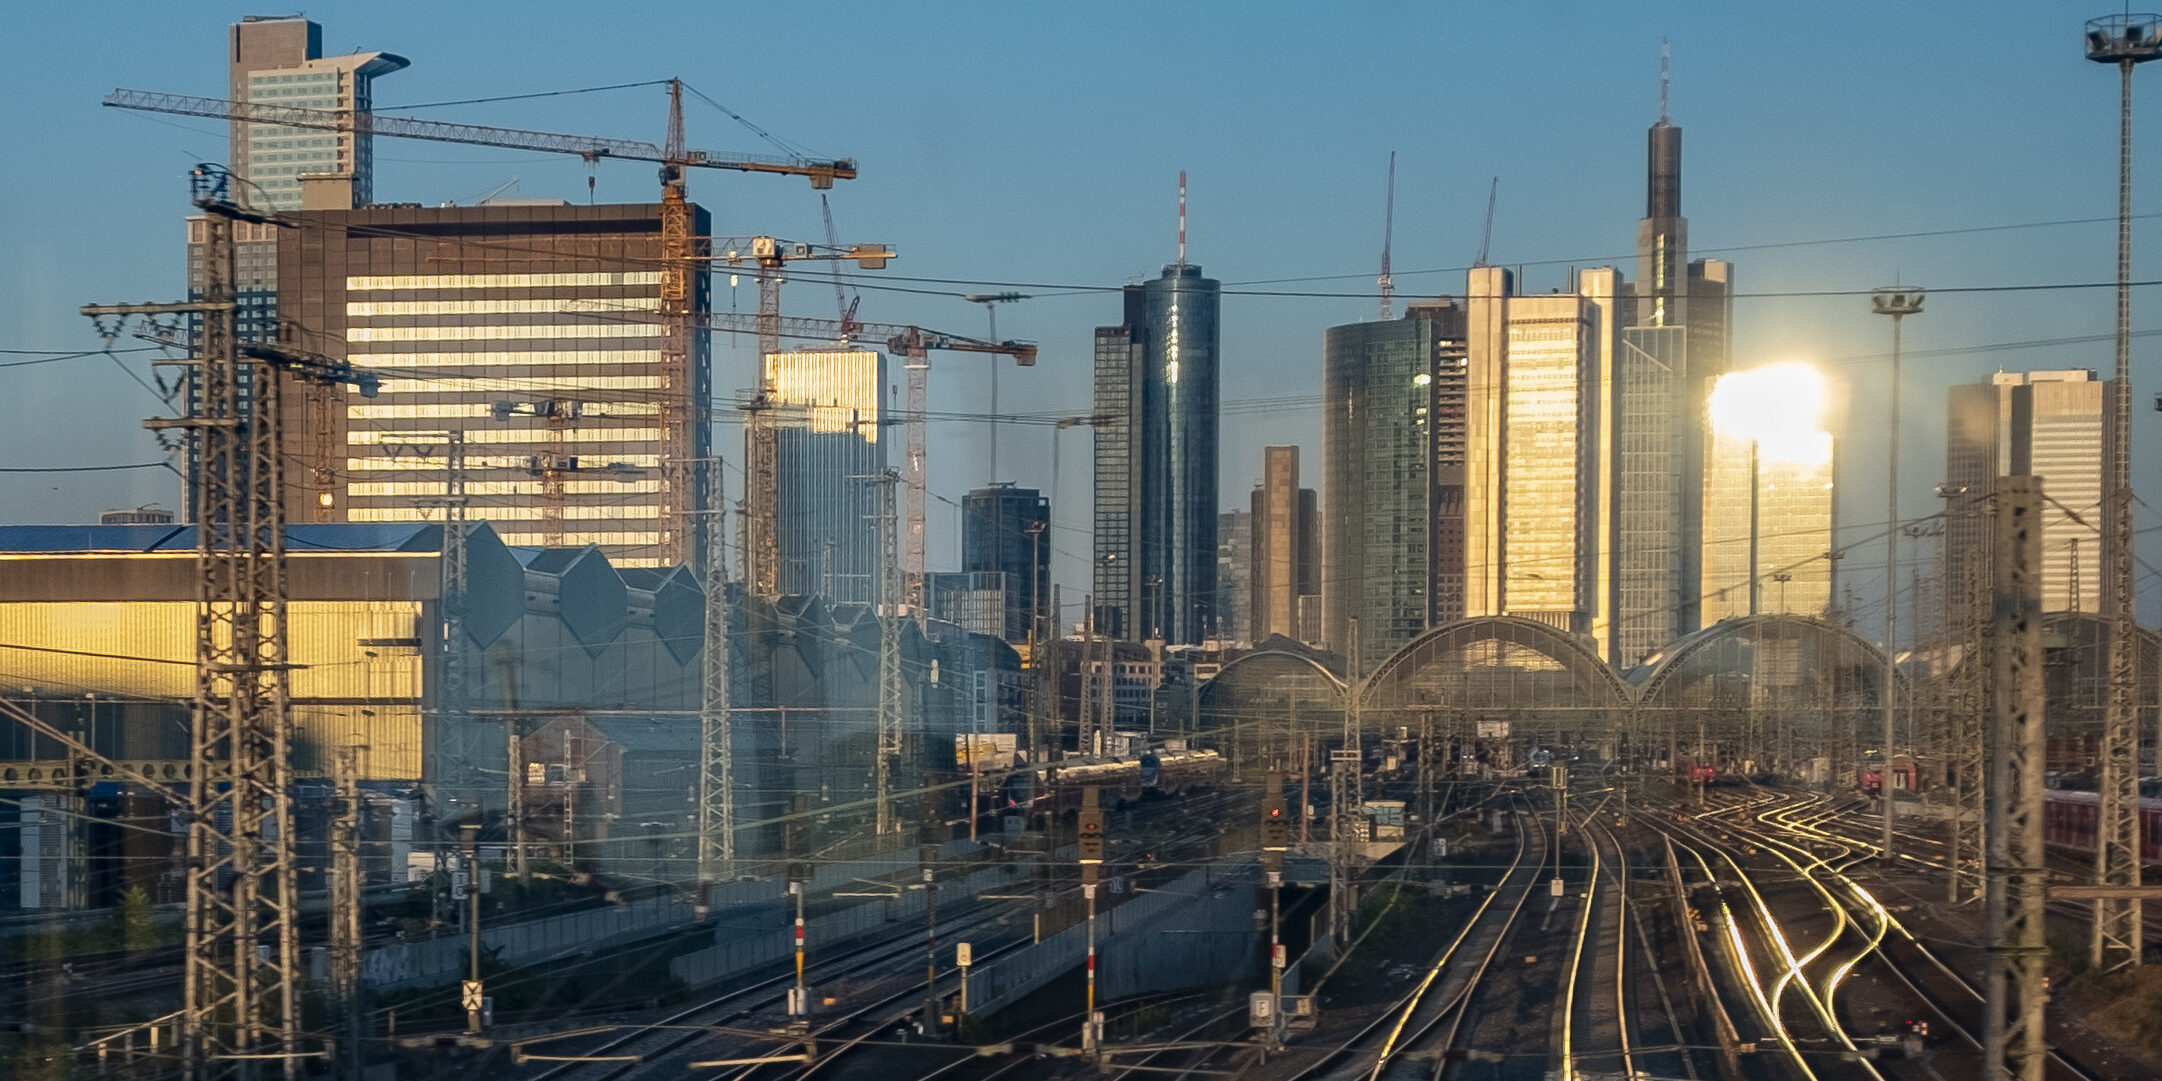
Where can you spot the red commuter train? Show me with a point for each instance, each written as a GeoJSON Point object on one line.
{"type": "Point", "coordinates": [2068, 821]}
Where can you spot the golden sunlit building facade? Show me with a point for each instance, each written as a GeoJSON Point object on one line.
{"type": "Point", "coordinates": [1768, 488]}
{"type": "Point", "coordinates": [1537, 495]}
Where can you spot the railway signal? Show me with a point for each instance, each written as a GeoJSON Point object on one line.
{"type": "Point", "coordinates": [1090, 849]}
{"type": "Point", "coordinates": [1275, 838]}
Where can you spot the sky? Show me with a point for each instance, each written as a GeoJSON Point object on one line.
{"type": "Point", "coordinates": [1828, 148]}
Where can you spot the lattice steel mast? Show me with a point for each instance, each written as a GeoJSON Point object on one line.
{"type": "Point", "coordinates": [2125, 41]}
{"type": "Point", "coordinates": [889, 654]}
{"type": "Point", "coordinates": [716, 747]}
{"type": "Point", "coordinates": [239, 1011]}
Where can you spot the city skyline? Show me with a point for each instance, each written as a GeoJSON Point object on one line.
{"type": "Point", "coordinates": [1744, 191]}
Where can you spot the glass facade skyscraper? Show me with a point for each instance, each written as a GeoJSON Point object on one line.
{"type": "Point", "coordinates": [829, 407]}
{"type": "Point", "coordinates": [1393, 461]}
{"type": "Point", "coordinates": [1156, 484]}
{"type": "Point", "coordinates": [1007, 530]}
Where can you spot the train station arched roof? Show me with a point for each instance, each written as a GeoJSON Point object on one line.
{"type": "Point", "coordinates": [1270, 685]}
{"type": "Point", "coordinates": [1744, 660]}
{"type": "Point", "coordinates": [1496, 663]}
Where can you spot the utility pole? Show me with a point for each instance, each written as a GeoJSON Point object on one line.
{"type": "Point", "coordinates": [345, 906]}
{"type": "Point", "coordinates": [716, 736]}
{"type": "Point", "coordinates": [2018, 883]}
{"type": "Point", "coordinates": [2124, 41]}
{"type": "Point", "coordinates": [1899, 304]}
{"type": "Point", "coordinates": [1089, 847]}
{"type": "Point", "coordinates": [240, 1008]}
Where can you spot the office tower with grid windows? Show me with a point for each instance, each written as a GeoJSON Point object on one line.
{"type": "Point", "coordinates": [1285, 551]}
{"type": "Point", "coordinates": [2050, 424]}
{"type": "Point", "coordinates": [1393, 454]}
{"type": "Point", "coordinates": [1156, 387]}
{"type": "Point", "coordinates": [279, 61]}
{"type": "Point", "coordinates": [532, 330]}
{"type": "Point", "coordinates": [1538, 495]}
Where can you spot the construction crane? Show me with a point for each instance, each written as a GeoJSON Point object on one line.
{"type": "Point", "coordinates": [677, 243]}
{"type": "Point", "coordinates": [844, 298]}
{"type": "Point", "coordinates": [761, 561]}
{"type": "Point", "coordinates": [1388, 236]}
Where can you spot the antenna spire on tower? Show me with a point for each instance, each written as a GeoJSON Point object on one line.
{"type": "Point", "coordinates": [1182, 217]}
{"type": "Point", "coordinates": [1663, 78]}
{"type": "Point", "coordinates": [1388, 236]}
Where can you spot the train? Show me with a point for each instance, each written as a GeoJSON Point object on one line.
{"type": "Point", "coordinates": [2068, 821]}
{"type": "Point", "coordinates": [1119, 781]}
{"type": "Point", "coordinates": [1869, 775]}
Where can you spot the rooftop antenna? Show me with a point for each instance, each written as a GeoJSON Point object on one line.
{"type": "Point", "coordinates": [1663, 80]}
{"type": "Point", "coordinates": [1182, 217]}
{"type": "Point", "coordinates": [1388, 235]}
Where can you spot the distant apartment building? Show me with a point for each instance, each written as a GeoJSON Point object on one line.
{"type": "Point", "coordinates": [2049, 424]}
{"type": "Point", "coordinates": [529, 330]}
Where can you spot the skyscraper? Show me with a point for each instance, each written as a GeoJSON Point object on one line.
{"type": "Point", "coordinates": [1005, 529]}
{"type": "Point", "coordinates": [1664, 365]}
{"type": "Point", "coordinates": [1393, 461]}
{"type": "Point", "coordinates": [828, 415]}
{"type": "Point", "coordinates": [531, 329]}
{"type": "Point", "coordinates": [2050, 424]}
{"type": "Point", "coordinates": [1285, 553]}
{"type": "Point", "coordinates": [1156, 503]}
{"type": "Point", "coordinates": [1234, 575]}
{"type": "Point", "coordinates": [1768, 492]}
{"type": "Point", "coordinates": [1537, 492]}
{"type": "Point", "coordinates": [279, 61]}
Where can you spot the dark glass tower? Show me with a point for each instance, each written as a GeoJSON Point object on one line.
{"type": "Point", "coordinates": [1156, 495]}
{"type": "Point", "coordinates": [1007, 530]}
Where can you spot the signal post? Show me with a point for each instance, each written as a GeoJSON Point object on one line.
{"type": "Point", "coordinates": [1275, 839]}
{"type": "Point", "coordinates": [1089, 847]}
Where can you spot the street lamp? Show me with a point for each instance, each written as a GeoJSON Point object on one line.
{"type": "Point", "coordinates": [1899, 304]}
{"type": "Point", "coordinates": [2125, 40]}
{"type": "Point", "coordinates": [990, 302]}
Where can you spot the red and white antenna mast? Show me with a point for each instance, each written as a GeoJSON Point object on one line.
{"type": "Point", "coordinates": [1182, 217]}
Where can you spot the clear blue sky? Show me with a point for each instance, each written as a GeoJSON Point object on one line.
{"type": "Point", "coordinates": [1040, 144]}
